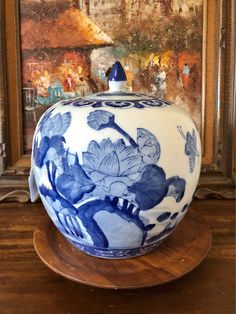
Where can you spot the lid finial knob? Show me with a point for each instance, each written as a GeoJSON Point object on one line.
{"type": "Point", "coordinates": [117, 78]}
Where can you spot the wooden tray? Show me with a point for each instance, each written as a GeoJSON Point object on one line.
{"type": "Point", "coordinates": [185, 249]}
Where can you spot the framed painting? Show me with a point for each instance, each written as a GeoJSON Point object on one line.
{"type": "Point", "coordinates": [181, 50]}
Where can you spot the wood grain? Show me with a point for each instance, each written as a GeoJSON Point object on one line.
{"type": "Point", "coordinates": [184, 249]}
{"type": "Point", "coordinates": [27, 286]}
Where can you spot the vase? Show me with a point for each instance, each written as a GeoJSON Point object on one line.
{"type": "Point", "coordinates": [117, 170]}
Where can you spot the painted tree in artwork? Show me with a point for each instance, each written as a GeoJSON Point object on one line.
{"type": "Point", "coordinates": [166, 7]}
{"type": "Point", "coordinates": [194, 34]}
{"type": "Point", "coordinates": [137, 40]}
{"type": "Point", "coordinates": [123, 11]}
{"type": "Point", "coordinates": [173, 33]}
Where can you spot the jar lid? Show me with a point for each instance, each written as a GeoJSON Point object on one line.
{"type": "Point", "coordinates": [117, 96]}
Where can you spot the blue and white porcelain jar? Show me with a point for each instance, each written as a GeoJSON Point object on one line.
{"type": "Point", "coordinates": [116, 171]}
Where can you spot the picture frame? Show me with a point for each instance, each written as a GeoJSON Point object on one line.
{"type": "Point", "coordinates": [218, 118]}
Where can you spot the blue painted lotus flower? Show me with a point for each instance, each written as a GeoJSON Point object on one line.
{"type": "Point", "coordinates": [149, 147]}
{"type": "Point", "coordinates": [100, 119]}
{"type": "Point", "coordinates": [111, 166]}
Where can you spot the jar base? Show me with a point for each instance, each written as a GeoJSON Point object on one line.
{"type": "Point", "coordinates": [120, 253]}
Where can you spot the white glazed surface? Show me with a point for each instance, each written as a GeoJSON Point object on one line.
{"type": "Point", "coordinates": [169, 125]}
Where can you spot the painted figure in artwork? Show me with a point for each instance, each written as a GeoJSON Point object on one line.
{"type": "Point", "coordinates": [185, 76]}
{"type": "Point", "coordinates": [161, 83]}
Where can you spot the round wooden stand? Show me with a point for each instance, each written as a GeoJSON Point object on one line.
{"type": "Point", "coordinates": [185, 249]}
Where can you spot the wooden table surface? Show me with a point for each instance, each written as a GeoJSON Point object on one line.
{"type": "Point", "coordinates": [28, 286]}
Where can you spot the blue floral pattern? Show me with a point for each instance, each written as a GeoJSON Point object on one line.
{"type": "Point", "coordinates": [190, 147]}
{"type": "Point", "coordinates": [145, 102]}
{"type": "Point", "coordinates": [112, 166]}
{"type": "Point", "coordinates": [117, 179]}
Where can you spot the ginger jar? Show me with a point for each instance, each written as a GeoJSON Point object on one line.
{"type": "Point", "coordinates": [116, 171]}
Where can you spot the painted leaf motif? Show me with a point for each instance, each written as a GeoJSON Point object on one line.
{"type": "Point", "coordinates": [57, 143]}
{"type": "Point", "coordinates": [40, 151]}
{"type": "Point", "coordinates": [59, 202]}
{"type": "Point", "coordinates": [56, 125]}
{"type": "Point", "coordinates": [74, 183]}
{"type": "Point", "coordinates": [176, 187]}
{"type": "Point", "coordinates": [45, 118]}
{"type": "Point", "coordinates": [149, 147]}
{"type": "Point", "coordinates": [151, 189]}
